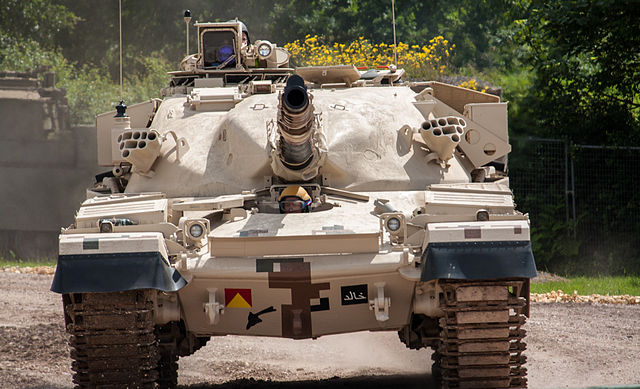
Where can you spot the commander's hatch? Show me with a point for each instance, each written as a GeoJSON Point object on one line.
{"type": "Point", "coordinates": [219, 45]}
{"type": "Point", "coordinates": [323, 75]}
{"type": "Point", "coordinates": [348, 75]}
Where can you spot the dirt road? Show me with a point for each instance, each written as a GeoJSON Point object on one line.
{"type": "Point", "coordinates": [569, 345]}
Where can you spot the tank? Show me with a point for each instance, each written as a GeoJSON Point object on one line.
{"type": "Point", "coordinates": [261, 200]}
{"type": "Point", "coordinates": [45, 162]}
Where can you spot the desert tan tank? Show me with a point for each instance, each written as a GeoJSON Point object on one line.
{"type": "Point", "coordinates": [256, 199]}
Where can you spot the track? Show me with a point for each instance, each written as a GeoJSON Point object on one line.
{"type": "Point", "coordinates": [482, 338]}
{"type": "Point", "coordinates": [112, 339]}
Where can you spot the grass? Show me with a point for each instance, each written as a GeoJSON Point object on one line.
{"type": "Point", "coordinates": [593, 285]}
{"type": "Point", "coordinates": [10, 262]}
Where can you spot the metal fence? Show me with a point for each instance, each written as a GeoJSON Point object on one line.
{"type": "Point", "coordinates": [584, 204]}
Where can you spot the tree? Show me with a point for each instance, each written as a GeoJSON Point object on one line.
{"type": "Point", "coordinates": [29, 30]}
{"type": "Point", "coordinates": [475, 26]}
{"type": "Point", "coordinates": [149, 27]}
{"type": "Point", "coordinates": [586, 55]}
{"type": "Point", "coordinates": [34, 20]}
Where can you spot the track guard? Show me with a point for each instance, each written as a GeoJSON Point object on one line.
{"type": "Point", "coordinates": [478, 260]}
{"type": "Point", "coordinates": [115, 272]}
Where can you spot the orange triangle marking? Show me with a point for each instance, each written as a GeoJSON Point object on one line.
{"type": "Point", "coordinates": [238, 302]}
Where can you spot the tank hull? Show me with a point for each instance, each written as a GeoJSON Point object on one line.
{"type": "Point", "coordinates": [308, 296]}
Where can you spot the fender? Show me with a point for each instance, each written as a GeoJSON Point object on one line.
{"type": "Point", "coordinates": [478, 260]}
{"type": "Point", "coordinates": [113, 263]}
{"type": "Point", "coordinates": [115, 272]}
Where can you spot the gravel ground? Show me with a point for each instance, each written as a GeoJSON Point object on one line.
{"type": "Point", "coordinates": [569, 345]}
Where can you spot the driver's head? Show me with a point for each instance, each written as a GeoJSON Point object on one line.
{"type": "Point", "coordinates": [294, 199]}
{"type": "Point", "coordinates": [245, 31]}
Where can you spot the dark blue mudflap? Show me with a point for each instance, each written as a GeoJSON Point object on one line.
{"type": "Point", "coordinates": [117, 272]}
{"type": "Point", "coordinates": [478, 260]}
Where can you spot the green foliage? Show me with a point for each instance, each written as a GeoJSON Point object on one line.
{"type": "Point", "coordinates": [10, 260]}
{"type": "Point", "coordinates": [26, 55]}
{"type": "Point", "coordinates": [551, 237]}
{"type": "Point", "coordinates": [474, 26]}
{"type": "Point", "coordinates": [480, 29]}
{"type": "Point", "coordinates": [593, 285]}
{"type": "Point", "coordinates": [585, 54]}
{"type": "Point", "coordinates": [564, 248]}
{"type": "Point", "coordinates": [90, 91]}
{"type": "Point", "coordinates": [148, 28]}
{"type": "Point", "coordinates": [516, 84]}
{"type": "Point", "coordinates": [40, 21]}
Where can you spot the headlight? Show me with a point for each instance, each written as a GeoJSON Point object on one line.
{"type": "Point", "coordinates": [482, 215]}
{"type": "Point", "coordinates": [393, 224]}
{"type": "Point", "coordinates": [106, 226]}
{"type": "Point", "coordinates": [196, 230]}
{"type": "Point", "coordinates": [264, 50]}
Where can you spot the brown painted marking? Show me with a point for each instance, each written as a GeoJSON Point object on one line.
{"type": "Point", "coordinates": [517, 230]}
{"type": "Point", "coordinates": [296, 317]}
{"type": "Point", "coordinates": [472, 233]}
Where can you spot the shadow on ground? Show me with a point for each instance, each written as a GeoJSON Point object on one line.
{"type": "Point", "coordinates": [421, 381]}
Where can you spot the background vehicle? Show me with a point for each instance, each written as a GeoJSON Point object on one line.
{"type": "Point", "coordinates": [40, 149]}
{"type": "Point", "coordinates": [412, 226]}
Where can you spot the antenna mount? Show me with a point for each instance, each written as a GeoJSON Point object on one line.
{"type": "Point", "coordinates": [121, 110]}
{"type": "Point", "coordinates": [393, 17]}
{"type": "Point", "coordinates": [120, 20]}
{"type": "Point", "coordinates": [187, 20]}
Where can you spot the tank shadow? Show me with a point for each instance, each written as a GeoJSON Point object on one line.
{"type": "Point", "coordinates": [405, 381]}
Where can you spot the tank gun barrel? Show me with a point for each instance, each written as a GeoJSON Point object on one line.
{"type": "Point", "coordinates": [295, 124]}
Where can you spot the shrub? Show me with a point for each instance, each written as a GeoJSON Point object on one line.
{"type": "Point", "coordinates": [420, 62]}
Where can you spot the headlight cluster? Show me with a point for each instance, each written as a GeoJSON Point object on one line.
{"type": "Point", "coordinates": [393, 224]}
{"type": "Point", "coordinates": [482, 215]}
{"type": "Point", "coordinates": [195, 231]}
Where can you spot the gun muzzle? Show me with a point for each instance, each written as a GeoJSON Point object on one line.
{"type": "Point", "coordinates": [295, 124]}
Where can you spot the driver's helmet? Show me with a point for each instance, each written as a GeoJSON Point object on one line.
{"type": "Point", "coordinates": [245, 30]}
{"type": "Point", "coordinates": [294, 199]}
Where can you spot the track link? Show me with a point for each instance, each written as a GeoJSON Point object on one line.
{"type": "Point", "coordinates": [168, 350]}
{"type": "Point", "coordinates": [113, 344]}
{"type": "Point", "coordinates": [481, 338]}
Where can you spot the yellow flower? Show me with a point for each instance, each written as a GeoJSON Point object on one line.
{"type": "Point", "coordinates": [418, 61]}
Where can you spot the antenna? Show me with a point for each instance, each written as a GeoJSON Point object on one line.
{"type": "Point", "coordinates": [120, 19]}
{"type": "Point", "coordinates": [187, 19]}
{"type": "Point", "coordinates": [393, 16]}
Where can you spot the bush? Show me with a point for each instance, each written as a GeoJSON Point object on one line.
{"type": "Point", "coordinates": [420, 62]}
{"type": "Point", "coordinates": [90, 90]}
